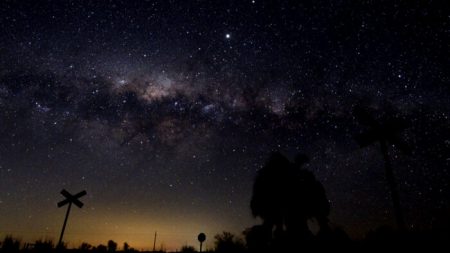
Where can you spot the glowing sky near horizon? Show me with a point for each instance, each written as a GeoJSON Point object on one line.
{"type": "Point", "coordinates": [163, 111]}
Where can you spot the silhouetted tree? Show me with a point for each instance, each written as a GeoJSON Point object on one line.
{"type": "Point", "coordinates": [285, 196]}
{"type": "Point", "coordinates": [126, 247]}
{"type": "Point", "coordinates": [85, 246]}
{"type": "Point", "coordinates": [112, 246]}
{"type": "Point", "coordinates": [269, 193]}
{"type": "Point", "coordinates": [387, 132]}
{"type": "Point", "coordinates": [311, 200]}
{"type": "Point", "coordinates": [228, 243]}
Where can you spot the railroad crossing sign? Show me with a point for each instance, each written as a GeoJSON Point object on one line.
{"type": "Point", "coordinates": [201, 238]}
{"type": "Point", "coordinates": [69, 200]}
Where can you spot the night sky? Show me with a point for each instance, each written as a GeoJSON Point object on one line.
{"type": "Point", "coordinates": [163, 111]}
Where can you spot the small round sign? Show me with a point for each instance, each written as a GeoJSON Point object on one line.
{"type": "Point", "coordinates": [201, 237]}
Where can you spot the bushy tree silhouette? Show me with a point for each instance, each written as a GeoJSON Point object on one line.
{"type": "Point", "coordinates": [311, 199]}
{"type": "Point", "coordinates": [269, 193]}
{"type": "Point", "coordinates": [112, 246]}
{"type": "Point", "coordinates": [285, 196]}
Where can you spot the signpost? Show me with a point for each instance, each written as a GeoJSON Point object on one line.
{"type": "Point", "coordinates": [69, 200]}
{"type": "Point", "coordinates": [201, 238]}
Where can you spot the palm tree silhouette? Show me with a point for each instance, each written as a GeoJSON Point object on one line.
{"type": "Point", "coordinates": [386, 132]}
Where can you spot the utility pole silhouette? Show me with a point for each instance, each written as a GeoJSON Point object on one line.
{"type": "Point", "coordinates": [69, 200]}
{"type": "Point", "coordinates": [154, 242]}
{"type": "Point", "coordinates": [385, 133]}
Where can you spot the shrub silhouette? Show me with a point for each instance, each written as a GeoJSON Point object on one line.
{"type": "Point", "coordinates": [228, 243]}
{"type": "Point", "coordinates": [10, 244]}
{"type": "Point", "coordinates": [187, 249]}
{"type": "Point", "coordinates": [61, 246]}
{"type": "Point", "coordinates": [85, 246]}
{"type": "Point", "coordinates": [43, 246]}
{"type": "Point", "coordinates": [100, 248]}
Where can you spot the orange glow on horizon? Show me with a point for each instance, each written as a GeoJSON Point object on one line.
{"type": "Point", "coordinates": [98, 226]}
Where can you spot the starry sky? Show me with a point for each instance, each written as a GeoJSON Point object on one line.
{"type": "Point", "coordinates": [163, 111]}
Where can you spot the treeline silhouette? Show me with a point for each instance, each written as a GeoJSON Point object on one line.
{"type": "Point", "coordinates": [11, 244]}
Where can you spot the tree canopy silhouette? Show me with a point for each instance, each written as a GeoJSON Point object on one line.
{"type": "Point", "coordinates": [285, 196]}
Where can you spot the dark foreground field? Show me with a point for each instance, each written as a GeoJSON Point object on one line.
{"type": "Point", "coordinates": [380, 240]}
